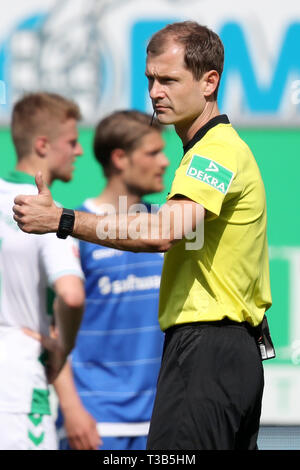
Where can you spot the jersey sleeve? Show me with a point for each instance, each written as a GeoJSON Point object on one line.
{"type": "Point", "coordinates": [204, 177]}
{"type": "Point", "coordinates": [59, 257]}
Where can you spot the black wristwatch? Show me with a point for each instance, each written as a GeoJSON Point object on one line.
{"type": "Point", "coordinates": [66, 223]}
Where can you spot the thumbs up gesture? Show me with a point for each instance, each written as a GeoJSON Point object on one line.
{"type": "Point", "coordinates": [41, 186]}
{"type": "Point", "coordinates": [37, 214]}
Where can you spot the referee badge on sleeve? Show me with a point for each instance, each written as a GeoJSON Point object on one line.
{"type": "Point", "coordinates": [210, 172]}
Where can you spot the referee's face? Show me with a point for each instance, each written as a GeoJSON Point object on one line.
{"type": "Point", "coordinates": [177, 97]}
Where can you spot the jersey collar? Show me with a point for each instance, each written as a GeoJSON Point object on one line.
{"type": "Point", "coordinates": [220, 119]}
{"type": "Point", "coordinates": [20, 177]}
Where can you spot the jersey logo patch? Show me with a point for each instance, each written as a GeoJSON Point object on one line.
{"type": "Point", "coordinates": [210, 172]}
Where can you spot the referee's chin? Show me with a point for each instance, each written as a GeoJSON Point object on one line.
{"type": "Point", "coordinates": [163, 115]}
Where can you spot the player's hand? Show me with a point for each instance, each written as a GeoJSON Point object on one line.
{"type": "Point", "coordinates": [56, 354]}
{"type": "Point", "coordinates": [37, 214]}
{"type": "Point", "coordinates": [81, 429]}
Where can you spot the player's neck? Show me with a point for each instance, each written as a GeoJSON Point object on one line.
{"type": "Point", "coordinates": [31, 166]}
{"type": "Point", "coordinates": [112, 194]}
{"type": "Point", "coordinates": [187, 131]}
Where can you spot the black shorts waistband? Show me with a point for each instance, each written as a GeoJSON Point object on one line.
{"type": "Point", "coordinates": [217, 323]}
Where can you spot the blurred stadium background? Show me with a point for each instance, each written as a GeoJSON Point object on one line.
{"type": "Point", "coordinates": [94, 52]}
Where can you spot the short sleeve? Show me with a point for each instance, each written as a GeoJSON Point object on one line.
{"type": "Point", "coordinates": [204, 178]}
{"type": "Point", "coordinates": [59, 257]}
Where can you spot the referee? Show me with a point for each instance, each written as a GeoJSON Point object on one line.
{"type": "Point", "coordinates": [213, 296]}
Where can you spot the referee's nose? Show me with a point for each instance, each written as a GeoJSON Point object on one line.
{"type": "Point", "coordinates": [156, 90]}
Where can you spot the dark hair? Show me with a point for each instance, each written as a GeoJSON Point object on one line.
{"type": "Point", "coordinates": [123, 130]}
{"type": "Point", "coordinates": [204, 49]}
{"type": "Point", "coordinates": [37, 113]}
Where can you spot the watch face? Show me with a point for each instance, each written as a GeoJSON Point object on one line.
{"type": "Point", "coordinates": [66, 223]}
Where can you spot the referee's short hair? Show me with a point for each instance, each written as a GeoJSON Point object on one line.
{"type": "Point", "coordinates": [121, 130]}
{"type": "Point", "coordinates": [204, 50]}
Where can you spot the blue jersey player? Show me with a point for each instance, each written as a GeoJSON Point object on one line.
{"type": "Point", "coordinates": [106, 391]}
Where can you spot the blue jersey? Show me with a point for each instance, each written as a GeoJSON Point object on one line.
{"type": "Point", "coordinates": [118, 350]}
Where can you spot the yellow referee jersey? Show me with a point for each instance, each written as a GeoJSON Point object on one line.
{"type": "Point", "coordinates": [229, 276]}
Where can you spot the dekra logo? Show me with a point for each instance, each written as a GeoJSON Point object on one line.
{"type": "Point", "coordinates": [210, 172]}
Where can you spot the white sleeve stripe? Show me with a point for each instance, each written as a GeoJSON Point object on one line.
{"type": "Point", "coordinates": [66, 272]}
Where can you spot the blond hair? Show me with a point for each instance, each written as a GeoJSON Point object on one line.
{"type": "Point", "coordinates": [36, 114]}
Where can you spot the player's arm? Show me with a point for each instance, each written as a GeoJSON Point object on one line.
{"type": "Point", "coordinates": [68, 311]}
{"type": "Point", "coordinates": [68, 308]}
{"type": "Point", "coordinates": [176, 219]}
{"type": "Point", "coordinates": [80, 426]}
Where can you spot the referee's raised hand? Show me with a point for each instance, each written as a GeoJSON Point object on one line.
{"type": "Point", "coordinates": [37, 214]}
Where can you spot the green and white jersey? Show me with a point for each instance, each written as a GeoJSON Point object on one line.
{"type": "Point", "coordinates": [29, 265]}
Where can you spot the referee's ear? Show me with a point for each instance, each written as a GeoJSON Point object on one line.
{"type": "Point", "coordinates": [211, 80]}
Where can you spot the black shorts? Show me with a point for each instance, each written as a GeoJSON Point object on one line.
{"type": "Point", "coordinates": [209, 389]}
